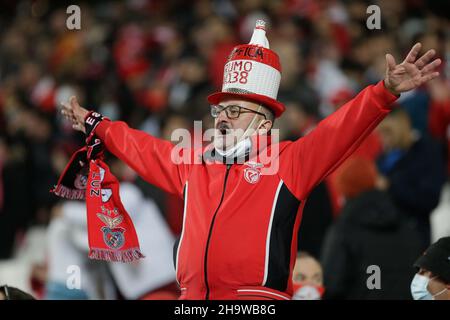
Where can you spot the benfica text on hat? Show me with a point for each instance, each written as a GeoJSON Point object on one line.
{"type": "Point", "coordinates": [252, 72]}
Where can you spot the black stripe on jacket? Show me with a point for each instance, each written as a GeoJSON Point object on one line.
{"type": "Point", "coordinates": [280, 239]}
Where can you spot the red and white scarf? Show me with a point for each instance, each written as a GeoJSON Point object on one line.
{"type": "Point", "coordinates": [111, 232]}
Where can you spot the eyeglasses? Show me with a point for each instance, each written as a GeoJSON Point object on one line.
{"type": "Point", "coordinates": [232, 111]}
{"type": "Point", "coordinates": [5, 292]}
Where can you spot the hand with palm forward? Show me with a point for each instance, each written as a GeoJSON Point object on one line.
{"type": "Point", "coordinates": [74, 113]}
{"type": "Point", "coordinates": [412, 72]}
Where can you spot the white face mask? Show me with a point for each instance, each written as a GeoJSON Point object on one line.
{"type": "Point", "coordinates": [239, 150]}
{"type": "Point", "coordinates": [419, 288]}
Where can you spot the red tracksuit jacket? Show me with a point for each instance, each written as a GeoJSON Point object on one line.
{"type": "Point", "coordinates": [239, 239]}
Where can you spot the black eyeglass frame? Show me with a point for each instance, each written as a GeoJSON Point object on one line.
{"type": "Point", "coordinates": [226, 108]}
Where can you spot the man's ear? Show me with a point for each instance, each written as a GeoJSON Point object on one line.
{"type": "Point", "coordinates": [265, 126]}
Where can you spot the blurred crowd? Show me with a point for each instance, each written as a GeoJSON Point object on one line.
{"type": "Point", "coordinates": [152, 63]}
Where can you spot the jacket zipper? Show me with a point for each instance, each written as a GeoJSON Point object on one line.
{"type": "Point", "coordinates": [210, 231]}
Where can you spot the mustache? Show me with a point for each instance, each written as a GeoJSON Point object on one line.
{"type": "Point", "coordinates": [223, 127]}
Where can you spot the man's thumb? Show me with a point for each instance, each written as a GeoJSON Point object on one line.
{"type": "Point", "coordinates": [74, 103]}
{"type": "Point", "coordinates": [390, 62]}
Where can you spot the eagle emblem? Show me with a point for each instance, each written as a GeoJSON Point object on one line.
{"type": "Point", "coordinates": [113, 236]}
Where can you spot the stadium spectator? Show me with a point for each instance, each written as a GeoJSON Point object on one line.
{"type": "Point", "coordinates": [369, 231]}
{"type": "Point", "coordinates": [150, 63]}
{"type": "Point", "coordinates": [432, 280]}
{"type": "Point", "coordinates": [307, 278]}
{"type": "Point", "coordinates": [413, 169]}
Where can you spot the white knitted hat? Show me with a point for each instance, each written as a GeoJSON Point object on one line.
{"type": "Point", "coordinates": [252, 72]}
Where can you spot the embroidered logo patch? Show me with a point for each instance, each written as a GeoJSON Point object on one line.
{"type": "Point", "coordinates": [112, 235]}
{"type": "Point", "coordinates": [252, 174]}
{"type": "Point", "coordinates": [113, 238]}
{"type": "Point", "coordinates": [80, 181]}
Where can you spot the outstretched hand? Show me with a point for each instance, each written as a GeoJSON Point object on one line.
{"type": "Point", "coordinates": [412, 72]}
{"type": "Point", "coordinates": [76, 114]}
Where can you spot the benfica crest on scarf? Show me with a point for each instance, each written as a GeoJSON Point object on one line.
{"type": "Point", "coordinates": [111, 232]}
{"type": "Point", "coordinates": [112, 235]}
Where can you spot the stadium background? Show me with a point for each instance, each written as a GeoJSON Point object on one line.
{"type": "Point", "coordinates": [152, 64]}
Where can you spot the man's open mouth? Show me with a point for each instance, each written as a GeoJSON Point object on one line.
{"type": "Point", "coordinates": [223, 128]}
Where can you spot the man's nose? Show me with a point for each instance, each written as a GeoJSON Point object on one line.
{"type": "Point", "coordinates": [222, 116]}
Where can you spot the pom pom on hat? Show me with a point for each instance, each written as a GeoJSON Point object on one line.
{"type": "Point", "coordinates": [259, 35]}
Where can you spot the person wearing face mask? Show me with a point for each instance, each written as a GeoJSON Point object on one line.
{"type": "Point", "coordinates": [432, 281]}
{"type": "Point", "coordinates": [244, 195]}
{"type": "Point", "coordinates": [307, 278]}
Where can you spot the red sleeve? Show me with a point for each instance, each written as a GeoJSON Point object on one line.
{"type": "Point", "coordinates": [307, 161]}
{"type": "Point", "coordinates": [150, 157]}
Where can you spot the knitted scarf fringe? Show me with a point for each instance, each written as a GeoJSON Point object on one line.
{"type": "Point", "coordinates": [66, 193]}
{"type": "Point", "coordinates": [118, 256]}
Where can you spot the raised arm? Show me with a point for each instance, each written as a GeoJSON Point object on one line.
{"type": "Point", "coordinates": [312, 158]}
{"type": "Point", "coordinates": [150, 157]}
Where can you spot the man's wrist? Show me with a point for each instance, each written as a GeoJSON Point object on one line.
{"type": "Point", "coordinates": [86, 115]}
{"type": "Point", "coordinates": [92, 120]}
{"type": "Point", "coordinates": [390, 89]}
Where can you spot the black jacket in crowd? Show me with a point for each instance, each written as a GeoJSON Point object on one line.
{"type": "Point", "coordinates": [416, 181]}
{"type": "Point", "coordinates": [370, 231]}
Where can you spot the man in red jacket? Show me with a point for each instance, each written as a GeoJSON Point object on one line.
{"type": "Point", "coordinates": [240, 220]}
